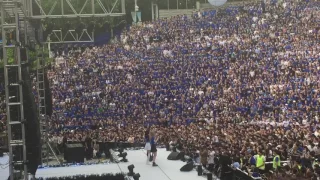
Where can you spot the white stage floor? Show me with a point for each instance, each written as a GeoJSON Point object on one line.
{"type": "Point", "coordinates": [4, 169]}
{"type": "Point", "coordinates": [167, 170]}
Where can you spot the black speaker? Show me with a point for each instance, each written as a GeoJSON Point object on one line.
{"type": "Point", "coordinates": [209, 176]}
{"type": "Point", "coordinates": [199, 169]}
{"type": "Point", "coordinates": [74, 153]}
{"type": "Point", "coordinates": [32, 126]}
{"type": "Point", "coordinates": [167, 147]}
{"type": "Point", "coordinates": [188, 167]}
{"type": "Point", "coordinates": [1, 153]}
{"type": "Point", "coordinates": [48, 95]}
{"type": "Point", "coordinates": [225, 160]}
{"type": "Point", "coordinates": [175, 156]}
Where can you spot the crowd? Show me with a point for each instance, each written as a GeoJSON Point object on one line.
{"type": "Point", "coordinates": [241, 81]}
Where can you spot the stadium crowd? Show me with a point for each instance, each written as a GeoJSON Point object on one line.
{"type": "Point", "coordinates": [241, 81]}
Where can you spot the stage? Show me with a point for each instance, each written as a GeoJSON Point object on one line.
{"type": "Point", "coordinates": [167, 170]}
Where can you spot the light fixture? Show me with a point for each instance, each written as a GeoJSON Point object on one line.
{"type": "Point", "coordinates": [136, 176]}
{"type": "Point", "coordinates": [123, 155]}
{"type": "Point", "coordinates": [130, 168]}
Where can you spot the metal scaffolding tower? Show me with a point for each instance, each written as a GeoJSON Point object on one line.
{"type": "Point", "coordinates": [46, 149]}
{"type": "Point", "coordinates": [15, 16]}
{"type": "Point", "coordinates": [14, 91]}
{"type": "Point", "coordinates": [42, 106]}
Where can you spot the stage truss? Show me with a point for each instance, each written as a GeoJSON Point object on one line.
{"type": "Point", "coordinates": [59, 37]}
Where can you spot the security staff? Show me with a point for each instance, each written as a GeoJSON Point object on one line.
{"type": "Point", "coordinates": [276, 163]}
{"type": "Point", "coordinates": [260, 162]}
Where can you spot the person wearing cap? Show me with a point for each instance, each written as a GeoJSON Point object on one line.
{"type": "Point", "coordinates": [276, 163]}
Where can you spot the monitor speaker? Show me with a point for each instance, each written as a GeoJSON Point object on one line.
{"type": "Point", "coordinates": [175, 156]}
{"type": "Point", "coordinates": [48, 95]}
{"type": "Point", "coordinates": [188, 167]}
{"type": "Point", "coordinates": [32, 126]}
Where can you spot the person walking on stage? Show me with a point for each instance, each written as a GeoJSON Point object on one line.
{"type": "Point", "coordinates": [153, 143]}
{"type": "Point", "coordinates": [147, 147]}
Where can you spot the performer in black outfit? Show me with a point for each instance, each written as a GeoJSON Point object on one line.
{"type": "Point", "coordinates": [147, 146]}
{"type": "Point", "coordinates": [153, 142]}
{"type": "Point", "coordinates": [88, 147]}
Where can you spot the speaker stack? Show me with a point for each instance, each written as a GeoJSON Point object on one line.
{"type": "Point", "coordinates": [188, 167]}
{"type": "Point", "coordinates": [199, 169]}
{"type": "Point", "coordinates": [175, 156]}
{"type": "Point", "coordinates": [32, 126]}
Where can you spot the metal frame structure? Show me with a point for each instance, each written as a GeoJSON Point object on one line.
{"type": "Point", "coordinates": [61, 37]}
{"type": "Point", "coordinates": [107, 11]}
{"type": "Point", "coordinates": [15, 16]}
{"type": "Point", "coordinates": [14, 139]}
{"type": "Point", "coordinates": [154, 10]}
{"type": "Point", "coordinates": [42, 107]}
{"type": "Point", "coordinates": [46, 148]}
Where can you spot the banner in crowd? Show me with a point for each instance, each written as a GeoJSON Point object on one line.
{"type": "Point", "coordinates": [136, 16]}
{"type": "Point", "coordinates": [139, 16]}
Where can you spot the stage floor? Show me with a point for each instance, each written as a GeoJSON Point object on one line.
{"type": "Point", "coordinates": [167, 170]}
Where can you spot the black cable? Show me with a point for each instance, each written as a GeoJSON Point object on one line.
{"type": "Point", "coordinates": [160, 168]}
{"type": "Point", "coordinates": [119, 166]}
{"type": "Point", "coordinates": [164, 173]}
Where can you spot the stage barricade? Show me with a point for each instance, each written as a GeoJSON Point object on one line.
{"type": "Point", "coordinates": [106, 146]}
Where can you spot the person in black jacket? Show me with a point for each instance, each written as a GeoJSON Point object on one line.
{"type": "Point", "coordinates": [148, 145]}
